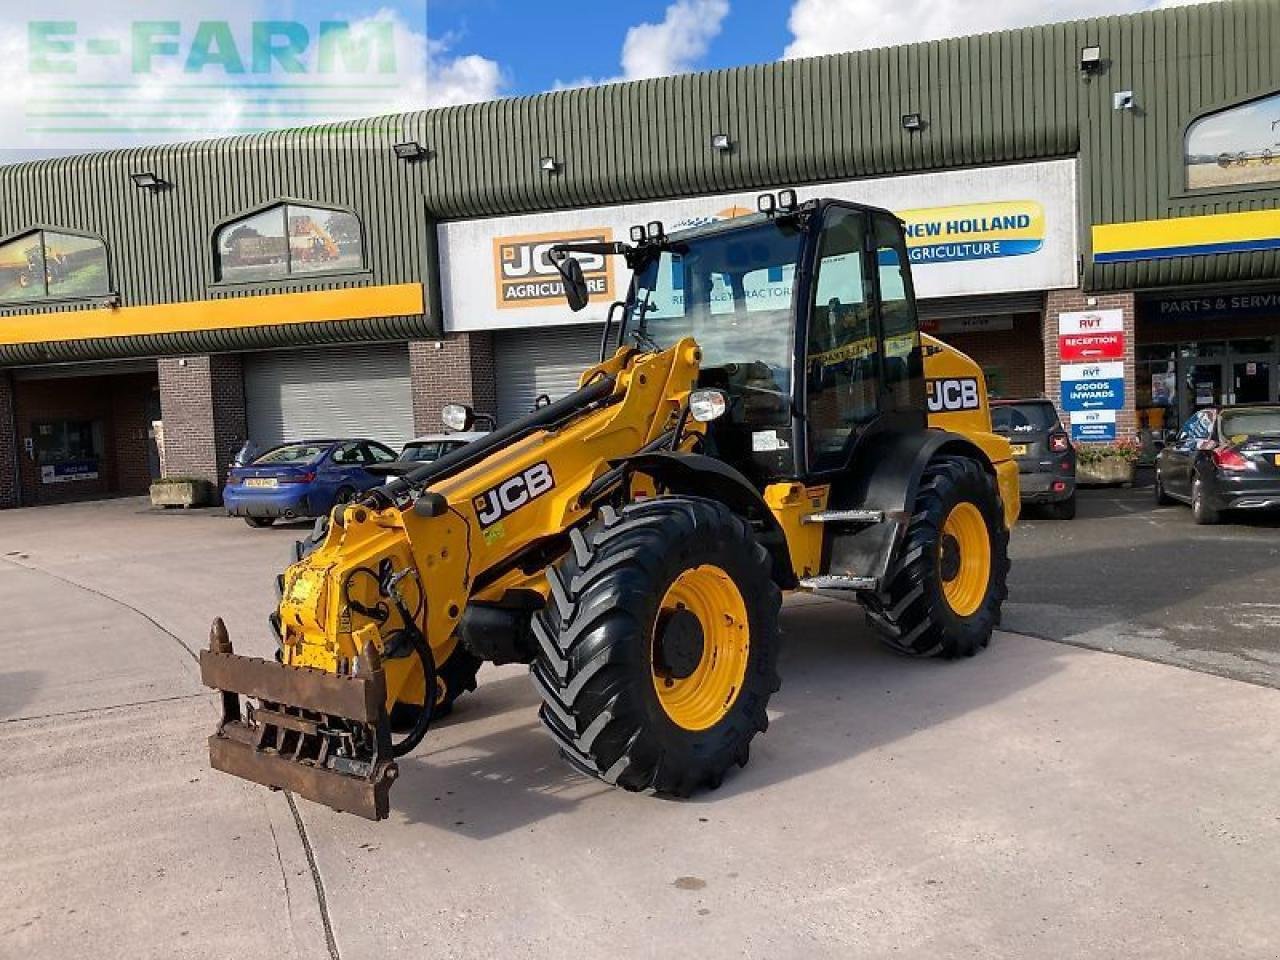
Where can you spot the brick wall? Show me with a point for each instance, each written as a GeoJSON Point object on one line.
{"type": "Point", "coordinates": [1013, 359]}
{"type": "Point", "coordinates": [1071, 301]}
{"type": "Point", "coordinates": [202, 403]}
{"type": "Point", "coordinates": [456, 369]}
{"type": "Point", "coordinates": [8, 444]}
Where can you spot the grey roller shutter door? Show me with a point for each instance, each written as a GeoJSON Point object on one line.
{"type": "Point", "coordinates": [351, 391]}
{"type": "Point", "coordinates": [549, 360]}
{"type": "Point", "coordinates": [943, 308]}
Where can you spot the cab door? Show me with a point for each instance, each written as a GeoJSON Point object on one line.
{"type": "Point", "coordinates": [842, 355]}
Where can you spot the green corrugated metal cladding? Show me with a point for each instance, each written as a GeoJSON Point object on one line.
{"type": "Point", "coordinates": [997, 98]}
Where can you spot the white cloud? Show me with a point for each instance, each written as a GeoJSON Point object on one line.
{"type": "Point", "coordinates": [833, 26]}
{"type": "Point", "coordinates": [462, 79]}
{"type": "Point", "coordinates": [674, 45]}
{"type": "Point", "coordinates": [677, 43]}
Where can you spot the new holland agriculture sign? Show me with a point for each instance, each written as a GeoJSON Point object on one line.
{"type": "Point", "coordinates": [980, 231]}
{"type": "Point", "coordinates": [974, 232]}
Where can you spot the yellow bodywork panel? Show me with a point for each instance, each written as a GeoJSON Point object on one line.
{"type": "Point", "coordinates": [958, 402]}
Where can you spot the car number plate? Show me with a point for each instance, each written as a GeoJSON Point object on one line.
{"type": "Point", "coordinates": [1019, 449]}
{"type": "Point", "coordinates": [260, 482]}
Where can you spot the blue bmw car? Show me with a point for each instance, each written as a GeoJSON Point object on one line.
{"type": "Point", "coordinates": [303, 479]}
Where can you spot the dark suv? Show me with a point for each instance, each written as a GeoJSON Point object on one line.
{"type": "Point", "coordinates": [1046, 458]}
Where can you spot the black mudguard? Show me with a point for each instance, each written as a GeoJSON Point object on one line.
{"type": "Point", "coordinates": [693, 474]}
{"type": "Point", "coordinates": [885, 475]}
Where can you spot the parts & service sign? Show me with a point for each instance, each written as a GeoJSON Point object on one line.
{"type": "Point", "coordinates": [524, 275]}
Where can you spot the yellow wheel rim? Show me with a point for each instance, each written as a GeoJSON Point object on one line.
{"type": "Point", "coordinates": [701, 645]}
{"type": "Point", "coordinates": [964, 559]}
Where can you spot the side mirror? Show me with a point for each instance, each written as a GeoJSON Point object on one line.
{"type": "Point", "coordinates": [575, 284]}
{"type": "Point", "coordinates": [458, 417]}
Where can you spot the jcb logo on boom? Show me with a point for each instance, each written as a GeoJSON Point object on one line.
{"type": "Point", "coordinates": [513, 493]}
{"type": "Point", "coordinates": [526, 277]}
{"type": "Point", "coordinates": [952, 396]}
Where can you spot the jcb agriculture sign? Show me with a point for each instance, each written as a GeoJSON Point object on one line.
{"type": "Point", "coordinates": [524, 275]}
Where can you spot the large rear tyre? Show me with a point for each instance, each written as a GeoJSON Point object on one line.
{"type": "Point", "coordinates": [943, 595]}
{"type": "Point", "coordinates": [658, 647]}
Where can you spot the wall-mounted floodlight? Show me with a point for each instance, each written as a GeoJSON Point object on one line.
{"type": "Point", "coordinates": [1091, 60]}
{"type": "Point", "coordinates": [721, 142]}
{"type": "Point", "coordinates": [411, 151]}
{"type": "Point", "coordinates": [912, 122]}
{"type": "Point", "coordinates": [1123, 100]}
{"type": "Point", "coordinates": [149, 181]}
{"type": "Point", "coordinates": [550, 165]}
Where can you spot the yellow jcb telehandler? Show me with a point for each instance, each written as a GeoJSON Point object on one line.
{"type": "Point", "coordinates": [771, 420]}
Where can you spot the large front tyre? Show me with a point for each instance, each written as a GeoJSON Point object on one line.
{"type": "Point", "coordinates": [945, 588]}
{"type": "Point", "coordinates": [658, 647]}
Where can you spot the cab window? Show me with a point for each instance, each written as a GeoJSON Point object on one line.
{"type": "Point", "coordinates": [903, 364]}
{"type": "Point", "coordinates": [843, 354]}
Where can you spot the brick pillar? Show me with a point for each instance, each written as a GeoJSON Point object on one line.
{"type": "Point", "coordinates": [1075, 301]}
{"type": "Point", "coordinates": [457, 369]}
{"type": "Point", "coordinates": [10, 483]}
{"type": "Point", "coordinates": [202, 403]}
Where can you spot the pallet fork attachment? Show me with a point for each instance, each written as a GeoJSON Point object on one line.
{"type": "Point", "coordinates": [320, 735]}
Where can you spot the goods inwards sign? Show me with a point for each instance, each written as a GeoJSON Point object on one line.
{"type": "Point", "coordinates": [1093, 386]}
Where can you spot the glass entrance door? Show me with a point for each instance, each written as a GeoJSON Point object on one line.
{"type": "Point", "coordinates": [1252, 381]}
{"type": "Point", "coordinates": [1202, 383]}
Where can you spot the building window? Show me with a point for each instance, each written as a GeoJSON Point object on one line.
{"type": "Point", "coordinates": [1238, 146]}
{"type": "Point", "coordinates": [68, 450]}
{"type": "Point", "coordinates": [52, 265]}
{"type": "Point", "coordinates": [289, 240]}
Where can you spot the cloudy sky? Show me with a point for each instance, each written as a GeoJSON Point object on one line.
{"type": "Point", "coordinates": [99, 76]}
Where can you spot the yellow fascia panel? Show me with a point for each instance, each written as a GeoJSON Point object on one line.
{"type": "Point", "coordinates": [267, 310]}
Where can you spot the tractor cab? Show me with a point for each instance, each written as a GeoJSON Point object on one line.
{"type": "Point", "coordinates": [806, 320]}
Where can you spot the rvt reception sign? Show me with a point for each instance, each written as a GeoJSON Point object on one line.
{"type": "Point", "coordinates": [1092, 391]}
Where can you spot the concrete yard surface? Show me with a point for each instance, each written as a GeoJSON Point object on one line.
{"type": "Point", "coordinates": [1040, 800]}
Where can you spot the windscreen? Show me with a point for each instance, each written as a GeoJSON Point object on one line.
{"type": "Point", "coordinates": [293, 453]}
{"type": "Point", "coordinates": [1018, 418]}
{"type": "Point", "coordinates": [1260, 421]}
{"type": "Point", "coordinates": [732, 293]}
{"type": "Point", "coordinates": [424, 452]}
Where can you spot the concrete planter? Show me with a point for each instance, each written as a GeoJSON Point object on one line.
{"type": "Point", "coordinates": [1109, 470]}
{"type": "Point", "coordinates": [181, 493]}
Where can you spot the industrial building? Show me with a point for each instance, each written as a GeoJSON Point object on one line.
{"type": "Point", "coordinates": [1092, 210]}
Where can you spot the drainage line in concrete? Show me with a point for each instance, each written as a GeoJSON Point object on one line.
{"type": "Point", "coordinates": [321, 901]}
{"type": "Point", "coordinates": [106, 596]}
